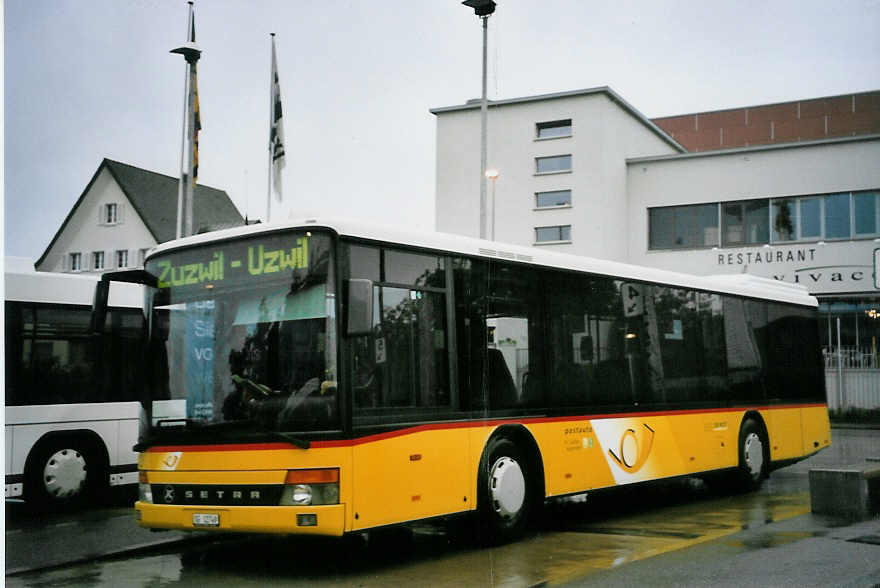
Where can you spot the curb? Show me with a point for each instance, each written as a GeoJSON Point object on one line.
{"type": "Point", "coordinates": [136, 549]}
{"type": "Point", "coordinates": [855, 426]}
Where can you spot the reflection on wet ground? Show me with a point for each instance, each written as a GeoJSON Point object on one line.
{"type": "Point", "coordinates": [768, 540]}
{"type": "Point", "coordinates": [575, 539]}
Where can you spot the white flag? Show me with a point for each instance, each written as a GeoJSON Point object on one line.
{"type": "Point", "coordinates": [276, 131]}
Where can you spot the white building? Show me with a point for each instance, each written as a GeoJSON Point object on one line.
{"type": "Point", "coordinates": [562, 163]}
{"type": "Point", "coordinates": [123, 212]}
{"type": "Point", "coordinates": [585, 173]}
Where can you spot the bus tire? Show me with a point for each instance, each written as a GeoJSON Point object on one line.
{"type": "Point", "coordinates": [64, 471]}
{"type": "Point", "coordinates": [505, 491]}
{"type": "Point", "coordinates": [754, 456]}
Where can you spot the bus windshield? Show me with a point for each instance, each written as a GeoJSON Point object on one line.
{"type": "Point", "coordinates": [244, 332]}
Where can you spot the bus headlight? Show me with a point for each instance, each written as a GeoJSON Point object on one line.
{"type": "Point", "coordinates": [310, 487]}
{"type": "Point", "coordinates": [145, 493]}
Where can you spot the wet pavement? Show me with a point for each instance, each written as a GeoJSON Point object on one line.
{"type": "Point", "coordinates": [803, 551]}
{"type": "Point", "coordinates": [673, 533]}
{"type": "Point", "coordinates": [37, 540]}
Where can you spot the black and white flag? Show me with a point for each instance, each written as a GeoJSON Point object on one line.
{"type": "Point", "coordinates": [276, 130]}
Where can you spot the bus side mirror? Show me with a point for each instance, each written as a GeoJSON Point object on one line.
{"type": "Point", "coordinates": [99, 306]}
{"type": "Point", "coordinates": [359, 307]}
{"type": "Point", "coordinates": [102, 293]}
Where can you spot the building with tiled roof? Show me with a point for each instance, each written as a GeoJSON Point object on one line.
{"type": "Point", "coordinates": [124, 211]}
{"type": "Point", "coordinates": [846, 115]}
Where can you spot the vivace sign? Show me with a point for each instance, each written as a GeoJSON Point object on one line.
{"type": "Point", "coordinates": [847, 267]}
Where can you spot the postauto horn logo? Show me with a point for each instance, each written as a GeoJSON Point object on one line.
{"type": "Point", "coordinates": [635, 446]}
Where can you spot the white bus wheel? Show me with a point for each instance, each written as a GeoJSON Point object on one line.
{"type": "Point", "coordinates": [62, 472]}
{"type": "Point", "coordinates": [505, 488]}
{"type": "Point", "coordinates": [753, 455]}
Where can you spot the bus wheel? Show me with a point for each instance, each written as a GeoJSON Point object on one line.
{"type": "Point", "coordinates": [504, 491]}
{"type": "Point", "coordinates": [753, 455]}
{"type": "Point", "coordinates": [61, 472]}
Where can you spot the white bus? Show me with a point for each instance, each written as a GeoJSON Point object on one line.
{"type": "Point", "coordinates": [71, 414]}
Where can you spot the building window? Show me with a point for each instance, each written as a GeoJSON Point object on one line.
{"type": "Point", "coordinates": [745, 223]}
{"type": "Point", "coordinates": [553, 164]}
{"type": "Point", "coordinates": [784, 220]}
{"type": "Point", "coordinates": [683, 227]}
{"type": "Point", "coordinates": [553, 198]}
{"type": "Point", "coordinates": [75, 262]}
{"type": "Point", "coordinates": [865, 213]}
{"type": "Point", "coordinates": [121, 258]}
{"type": "Point", "coordinates": [110, 214]}
{"type": "Point", "coordinates": [822, 217]}
{"type": "Point", "coordinates": [97, 260]}
{"type": "Point", "coordinates": [142, 255]}
{"type": "Point", "coordinates": [837, 216]}
{"type": "Point", "coordinates": [845, 215]}
{"type": "Point", "coordinates": [552, 234]}
{"type": "Point", "coordinates": [810, 218]}
{"type": "Point", "coordinates": [554, 129]}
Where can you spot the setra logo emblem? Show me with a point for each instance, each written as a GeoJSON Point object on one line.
{"type": "Point", "coordinates": [169, 494]}
{"type": "Point", "coordinates": [634, 449]}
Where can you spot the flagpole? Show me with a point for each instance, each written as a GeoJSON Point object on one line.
{"type": "Point", "coordinates": [188, 185]}
{"type": "Point", "coordinates": [181, 187]}
{"type": "Point", "coordinates": [271, 121]}
{"type": "Point", "coordinates": [191, 54]}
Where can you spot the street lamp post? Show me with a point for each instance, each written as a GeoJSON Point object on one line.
{"type": "Point", "coordinates": [483, 9]}
{"type": "Point", "coordinates": [492, 174]}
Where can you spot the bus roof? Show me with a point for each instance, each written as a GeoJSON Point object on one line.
{"type": "Point", "coordinates": [737, 284]}
{"type": "Point", "coordinates": [62, 288]}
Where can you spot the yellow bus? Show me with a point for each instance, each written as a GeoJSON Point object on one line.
{"type": "Point", "coordinates": [334, 377]}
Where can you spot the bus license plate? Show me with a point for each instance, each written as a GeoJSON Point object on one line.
{"type": "Point", "coordinates": [206, 520]}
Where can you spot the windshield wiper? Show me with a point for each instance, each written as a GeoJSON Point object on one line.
{"type": "Point", "coordinates": [295, 441]}
{"type": "Point", "coordinates": [232, 425]}
{"type": "Point", "coordinates": [271, 433]}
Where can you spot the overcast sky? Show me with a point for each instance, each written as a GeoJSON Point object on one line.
{"type": "Point", "coordinates": [88, 79]}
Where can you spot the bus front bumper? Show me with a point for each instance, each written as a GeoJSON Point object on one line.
{"type": "Point", "coordinates": [286, 520]}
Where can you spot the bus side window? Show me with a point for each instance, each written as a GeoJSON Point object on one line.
{"type": "Point", "coordinates": [792, 364]}
{"type": "Point", "coordinates": [470, 283]}
{"type": "Point", "coordinates": [17, 337]}
{"type": "Point", "coordinates": [744, 335]}
{"type": "Point", "coordinates": [62, 356]}
{"type": "Point", "coordinates": [402, 367]}
{"type": "Point", "coordinates": [513, 307]}
{"type": "Point", "coordinates": [714, 345]}
{"type": "Point", "coordinates": [410, 348]}
{"type": "Point", "coordinates": [121, 365]}
{"type": "Point", "coordinates": [680, 345]}
{"type": "Point", "coordinates": [585, 341]}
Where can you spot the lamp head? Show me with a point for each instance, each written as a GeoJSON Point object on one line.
{"type": "Point", "coordinates": [481, 7]}
{"type": "Point", "coordinates": [190, 52]}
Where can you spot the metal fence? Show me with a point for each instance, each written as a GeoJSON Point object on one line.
{"type": "Point", "coordinates": [851, 357]}
{"type": "Point", "coordinates": [852, 388]}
